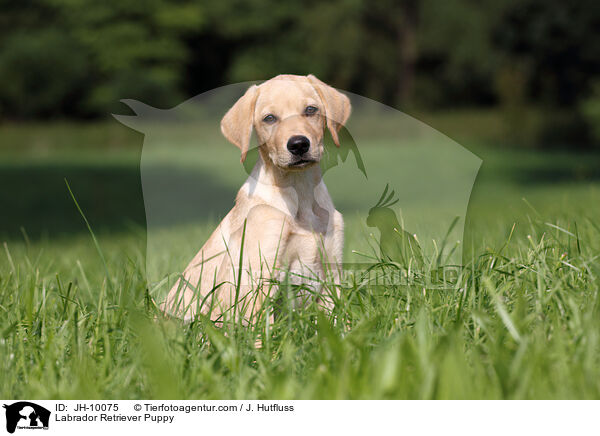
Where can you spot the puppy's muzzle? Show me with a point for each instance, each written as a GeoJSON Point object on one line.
{"type": "Point", "coordinates": [298, 145]}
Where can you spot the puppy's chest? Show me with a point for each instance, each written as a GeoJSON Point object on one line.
{"type": "Point", "coordinates": [309, 240]}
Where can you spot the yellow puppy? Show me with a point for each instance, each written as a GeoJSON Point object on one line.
{"type": "Point", "coordinates": [283, 214]}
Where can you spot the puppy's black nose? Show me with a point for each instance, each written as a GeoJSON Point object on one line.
{"type": "Point", "coordinates": [298, 145]}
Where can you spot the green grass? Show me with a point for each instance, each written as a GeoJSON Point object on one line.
{"type": "Point", "coordinates": [521, 320]}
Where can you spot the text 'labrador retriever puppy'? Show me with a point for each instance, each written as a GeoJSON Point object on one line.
{"type": "Point", "coordinates": [283, 223]}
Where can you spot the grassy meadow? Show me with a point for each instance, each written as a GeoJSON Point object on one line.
{"type": "Point", "coordinates": [519, 320]}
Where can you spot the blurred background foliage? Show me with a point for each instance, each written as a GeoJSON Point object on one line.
{"type": "Point", "coordinates": [537, 61]}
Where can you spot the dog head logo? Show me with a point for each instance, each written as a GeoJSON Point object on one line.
{"type": "Point", "coordinates": [26, 415]}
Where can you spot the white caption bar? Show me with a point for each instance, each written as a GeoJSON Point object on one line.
{"type": "Point", "coordinates": [22, 417]}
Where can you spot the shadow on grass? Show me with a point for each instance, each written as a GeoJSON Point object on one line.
{"type": "Point", "coordinates": [530, 167]}
{"type": "Point", "coordinates": [35, 198]}
{"type": "Point", "coordinates": [586, 171]}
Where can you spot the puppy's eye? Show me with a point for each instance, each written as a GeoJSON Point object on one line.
{"type": "Point", "coordinates": [270, 119]}
{"type": "Point", "coordinates": [311, 110]}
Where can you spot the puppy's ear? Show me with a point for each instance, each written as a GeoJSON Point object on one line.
{"type": "Point", "coordinates": [237, 123]}
{"type": "Point", "coordinates": [337, 106]}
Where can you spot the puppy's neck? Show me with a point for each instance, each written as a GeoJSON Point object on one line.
{"type": "Point", "coordinates": [291, 191]}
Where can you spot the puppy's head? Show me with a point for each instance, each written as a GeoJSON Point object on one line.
{"type": "Point", "coordinates": [289, 114]}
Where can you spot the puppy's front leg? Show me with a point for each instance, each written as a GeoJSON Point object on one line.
{"type": "Point", "coordinates": [334, 267]}
{"type": "Point", "coordinates": [257, 249]}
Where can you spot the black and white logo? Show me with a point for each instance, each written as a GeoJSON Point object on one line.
{"type": "Point", "coordinates": [26, 415]}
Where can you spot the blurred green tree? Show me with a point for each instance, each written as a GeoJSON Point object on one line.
{"type": "Point", "coordinates": [65, 57]}
{"type": "Point", "coordinates": [43, 74]}
{"type": "Point", "coordinates": [79, 57]}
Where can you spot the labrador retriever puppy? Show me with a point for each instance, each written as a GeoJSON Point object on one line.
{"type": "Point", "coordinates": [283, 223]}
